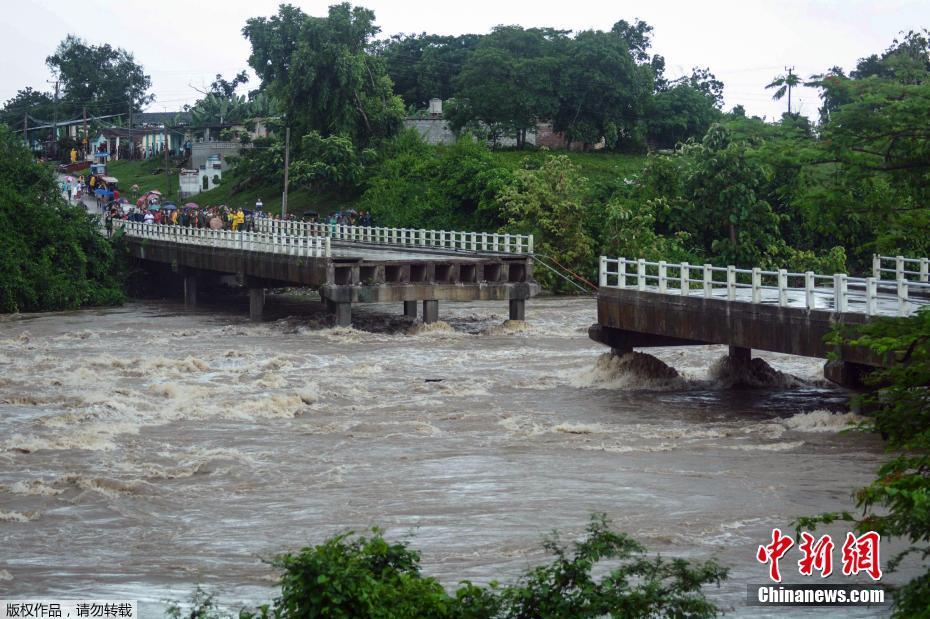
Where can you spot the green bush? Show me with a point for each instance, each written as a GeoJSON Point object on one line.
{"type": "Point", "coordinates": [352, 576]}
{"type": "Point", "coordinates": [51, 255]}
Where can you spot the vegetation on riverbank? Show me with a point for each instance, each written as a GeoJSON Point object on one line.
{"type": "Point", "coordinates": [897, 503]}
{"type": "Point", "coordinates": [352, 576]}
{"type": "Point", "coordinates": [51, 255]}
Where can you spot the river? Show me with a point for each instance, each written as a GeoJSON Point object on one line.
{"type": "Point", "coordinates": [146, 449]}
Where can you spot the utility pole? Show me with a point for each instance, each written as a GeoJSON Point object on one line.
{"type": "Point", "coordinates": [55, 121]}
{"type": "Point", "coordinates": [26, 129]}
{"type": "Point", "coordinates": [167, 175]}
{"type": "Point", "coordinates": [132, 145]}
{"type": "Point", "coordinates": [86, 141]}
{"type": "Point", "coordinates": [789, 80]}
{"type": "Point", "coordinates": [287, 165]}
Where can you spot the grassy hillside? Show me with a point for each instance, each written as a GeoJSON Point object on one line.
{"type": "Point", "coordinates": [149, 174]}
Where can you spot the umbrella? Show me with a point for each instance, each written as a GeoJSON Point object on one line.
{"type": "Point", "coordinates": [170, 207]}
{"type": "Point", "coordinates": [154, 207]}
{"type": "Point", "coordinates": [155, 191]}
{"type": "Point", "coordinates": [191, 205]}
{"type": "Point", "coordinates": [70, 179]}
{"type": "Point", "coordinates": [140, 201]}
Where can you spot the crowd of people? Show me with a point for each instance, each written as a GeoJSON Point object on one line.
{"type": "Point", "coordinates": [236, 219]}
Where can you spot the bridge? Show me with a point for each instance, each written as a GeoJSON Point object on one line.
{"type": "Point", "coordinates": [645, 304]}
{"type": "Point", "coordinates": [347, 264]}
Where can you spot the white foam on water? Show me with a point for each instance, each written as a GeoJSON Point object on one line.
{"type": "Point", "coordinates": [579, 428]}
{"type": "Point", "coordinates": [111, 488]}
{"type": "Point", "coordinates": [5, 575]}
{"type": "Point", "coordinates": [623, 449]}
{"type": "Point", "coordinates": [269, 407]}
{"type": "Point", "coordinates": [440, 328]}
{"type": "Point", "coordinates": [822, 421]}
{"type": "Point", "coordinates": [34, 487]}
{"type": "Point", "coordinates": [522, 425]}
{"type": "Point", "coordinates": [782, 446]}
{"type": "Point", "coordinates": [512, 327]}
{"type": "Point", "coordinates": [12, 516]}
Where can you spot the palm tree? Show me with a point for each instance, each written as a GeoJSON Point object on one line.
{"type": "Point", "coordinates": [784, 83]}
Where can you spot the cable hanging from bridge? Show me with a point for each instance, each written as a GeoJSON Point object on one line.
{"type": "Point", "coordinates": [536, 258]}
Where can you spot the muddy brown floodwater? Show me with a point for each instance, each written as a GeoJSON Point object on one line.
{"type": "Point", "coordinates": [146, 449]}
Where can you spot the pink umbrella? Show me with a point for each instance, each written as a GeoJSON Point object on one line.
{"type": "Point", "coordinates": [191, 205]}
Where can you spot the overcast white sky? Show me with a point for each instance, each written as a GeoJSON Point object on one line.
{"type": "Point", "coordinates": [745, 43]}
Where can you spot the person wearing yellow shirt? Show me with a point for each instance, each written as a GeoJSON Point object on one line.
{"type": "Point", "coordinates": [238, 219]}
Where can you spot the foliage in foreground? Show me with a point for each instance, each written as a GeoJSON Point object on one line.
{"type": "Point", "coordinates": [51, 255]}
{"type": "Point", "coordinates": [354, 576]}
{"type": "Point", "coordinates": [897, 503]}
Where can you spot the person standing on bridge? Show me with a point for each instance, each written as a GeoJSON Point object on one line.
{"type": "Point", "coordinates": [259, 205]}
{"type": "Point", "coordinates": [238, 219]}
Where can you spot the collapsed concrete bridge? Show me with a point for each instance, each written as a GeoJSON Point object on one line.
{"type": "Point", "coordinates": [651, 304]}
{"type": "Point", "coordinates": [348, 264]}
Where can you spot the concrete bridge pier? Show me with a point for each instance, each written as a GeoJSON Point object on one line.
{"type": "Point", "coordinates": [430, 311]}
{"type": "Point", "coordinates": [342, 311]}
{"type": "Point", "coordinates": [847, 374]}
{"type": "Point", "coordinates": [740, 356]}
{"type": "Point", "coordinates": [410, 309]}
{"type": "Point", "coordinates": [517, 309]}
{"type": "Point", "coordinates": [256, 303]}
{"type": "Point", "coordinates": [190, 288]}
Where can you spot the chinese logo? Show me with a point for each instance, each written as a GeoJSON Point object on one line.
{"type": "Point", "coordinates": [858, 554]}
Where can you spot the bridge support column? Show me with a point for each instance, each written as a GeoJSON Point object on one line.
{"type": "Point", "coordinates": [740, 356]}
{"type": "Point", "coordinates": [847, 374]}
{"type": "Point", "coordinates": [256, 303]}
{"type": "Point", "coordinates": [342, 311]}
{"type": "Point", "coordinates": [190, 289]}
{"type": "Point", "coordinates": [517, 309]}
{"type": "Point", "coordinates": [430, 311]}
{"type": "Point", "coordinates": [410, 309]}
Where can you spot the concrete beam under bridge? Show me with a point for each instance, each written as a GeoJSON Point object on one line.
{"type": "Point", "coordinates": [629, 318]}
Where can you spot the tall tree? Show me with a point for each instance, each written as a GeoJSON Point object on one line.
{"type": "Point", "coordinates": [784, 84]}
{"type": "Point", "coordinates": [321, 71]}
{"type": "Point", "coordinates": [508, 82]}
{"type": "Point", "coordinates": [100, 77]}
{"type": "Point", "coordinates": [603, 92]}
{"type": "Point", "coordinates": [425, 66]}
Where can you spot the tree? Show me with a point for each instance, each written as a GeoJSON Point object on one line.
{"type": "Point", "coordinates": [227, 88]}
{"type": "Point", "coordinates": [895, 504]}
{"type": "Point", "coordinates": [102, 78]}
{"type": "Point", "coordinates": [602, 91]}
{"type": "Point", "coordinates": [507, 83]}
{"type": "Point", "coordinates": [679, 113]}
{"type": "Point", "coordinates": [39, 105]}
{"type": "Point", "coordinates": [425, 66]}
{"type": "Point", "coordinates": [52, 256]}
{"type": "Point", "coordinates": [783, 84]}
{"type": "Point", "coordinates": [321, 72]}
{"type": "Point", "coordinates": [906, 61]}
{"type": "Point", "coordinates": [549, 203]}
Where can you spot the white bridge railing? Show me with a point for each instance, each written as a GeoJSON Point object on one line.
{"type": "Point", "coordinates": [838, 292]}
{"type": "Point", "coordinates": [913, 269]}
{"type": "Point", "coordinates": [405, 237]}
{"type": "Point", "coordinates": [269, 242]}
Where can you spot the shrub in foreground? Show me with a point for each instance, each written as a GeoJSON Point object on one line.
{"type": "Point", "coordinates": [357, 576]}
